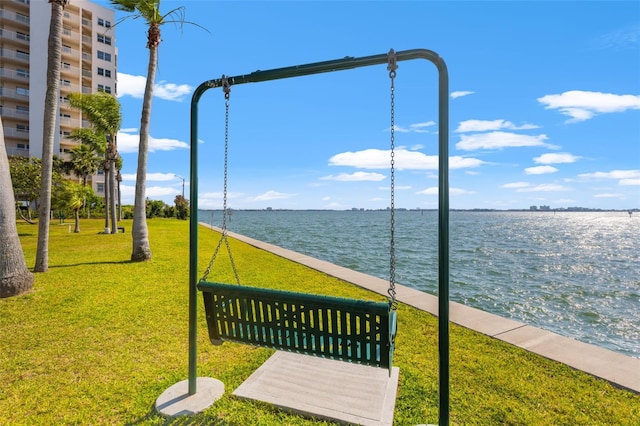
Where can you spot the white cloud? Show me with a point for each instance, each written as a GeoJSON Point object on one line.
{"type": "Point", "coordinates": [624, 177]}
{"type": "Point", "coordinates": [420, 127]}
{"type": "Point", "coordinates": [273, 195]}
{"type": "Point", "coordinates": [540, 170]}
{"type": "Point", "coordinates": [159, 191]}
{"type": "Point", "coordinates": [156, 177]}
{"type": "Point", "coordinates": [133, 85]}
{"type": "Point", "coordinates": [413, 128]}
{"type": "Point", "coordinates": [486, 125]}
{"type": "Point", "coordinates": [171, 91]}
{"type": "Point", "coordinates": [460, 93]}
{"type": "Point", "coordinates": [154, 192]}
{"type": "Point", "coordinates": [582, 105]}
{"type": "Point", "coordinates": [355, 177]}
{"type": "Point", "coordinates": [614, 174]}
{"type": "Point", "coordinates": [404, 160]}
{"type": "Point", "coordinates": [622, 38]}
{"type": "Point", "coordinates": [516, 185]}
{"type": "Point", "coordinates": [500, 140]}
{"type": "Point", "coordinates": [546, 187]}
{"type": "Point", "coordinates": [128, 142]}
{"type": "Point", "coordinates": [609, 195]}
{"type": "Point", "coordinates": [560, 157]}
{"type": "Point", "coordinates": [452, 191]}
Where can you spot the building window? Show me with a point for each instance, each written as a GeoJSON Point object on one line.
{"type": "Point", "coordinates": [100, 87]}
{"type": "Point", "coordinates": [104, 56]}
{"type": "Point", "coordinates": [22, 73]}
{"type": "Point", "coordinates": [23, 128]}
{"type": "Point", "coordinates": [22, 18]}
{"type": "Point", "coordinates": [104, 72]}
{"type": "Point", "coordinates": [104, 23]}
{"type": "Point", "coordinates": [65, 83]}
{"type": "Point", "coordinates": [22, 36]}
{"type": "Point", "coordinates": [66, 65]}
{"type": "Point", "coordinates": [100, 187]}
{"type": "Point", "coordinates": [104, 39]}
{"type": "Point", "coordinates": [23, 146]}
{"type": "Point", "coordinates": [100, 71]}
{"type": "Point", "coordinates": [22, 110]}
{"type": "Point", "coordinates": [21, 54]}
{"type": "Point", "coordinates": [22, 91]}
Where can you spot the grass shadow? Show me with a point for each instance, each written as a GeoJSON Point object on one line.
{"type": "Point", "coordinates": [190, 420]}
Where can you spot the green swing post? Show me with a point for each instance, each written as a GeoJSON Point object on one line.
{"type": "Point", "coordinates": [443, 197]}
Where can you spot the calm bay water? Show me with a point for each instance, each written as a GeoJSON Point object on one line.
{"type": "Point", "coordinates": [576, 274]}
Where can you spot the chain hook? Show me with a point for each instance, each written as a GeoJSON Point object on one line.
{"type": "Point", "coordinates": [226, 87]}
{"type": "Point", "coordinates": [393, 63]}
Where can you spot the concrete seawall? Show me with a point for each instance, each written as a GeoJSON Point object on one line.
{"type": "Point", "coordinates": [621, 370]}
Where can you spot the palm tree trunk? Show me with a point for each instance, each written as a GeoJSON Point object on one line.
{"type": "Point", "coordinates": [112, 197]}
{"type": "Point", "coordinates": [76, 212]}
{"type": "Point", "coordinates": [106, 200]}
{"type": "Point", "coordinates": [15, 278]}
{"type": "Point", "coordinates": [141, 249]}
{"type": "Point", "coordinates": [50, 112]}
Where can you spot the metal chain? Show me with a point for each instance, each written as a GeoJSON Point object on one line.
{"type": "Point", "coordinates": [392, 263]}
{"type": "Point", "coordinates": [225, 212]}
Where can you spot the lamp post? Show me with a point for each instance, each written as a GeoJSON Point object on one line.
{"type": "Point", "coordinates": [180, 177]}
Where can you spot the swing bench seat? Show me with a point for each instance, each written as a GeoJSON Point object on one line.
{"type": "Point", "coordinates": [350, 330]}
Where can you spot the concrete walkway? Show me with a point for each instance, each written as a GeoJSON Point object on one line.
{"type": "Point", "coordinates": [621, 370]}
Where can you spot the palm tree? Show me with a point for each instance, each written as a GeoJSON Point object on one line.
{"type": "Point", "coordinates": [103, 112]}
{"type": "Point", "coordinates": [84, 162]}
{"type": "Point", "coordinates": [15, 278]}
{"type": "Point", "coordinates": [51, 110]}
{"type": "Point", "coordinates": [69, 195]}
{"type": "Point", "coordinates": [149, 10]}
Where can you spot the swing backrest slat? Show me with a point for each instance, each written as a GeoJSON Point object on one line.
{"type": "Point", "coordinates": [331, 327]}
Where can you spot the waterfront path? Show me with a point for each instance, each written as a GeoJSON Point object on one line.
{"type": "Point", "coordinates": [620, 370]}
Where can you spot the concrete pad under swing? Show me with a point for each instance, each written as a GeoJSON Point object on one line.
{"type": "Point", "coordinates": [176, 401]}
{"type": "Point", "coordinates": [325, 389]}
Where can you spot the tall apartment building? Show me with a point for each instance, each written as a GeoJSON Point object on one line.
{"type": "Point", "coordinates": [89, 62]}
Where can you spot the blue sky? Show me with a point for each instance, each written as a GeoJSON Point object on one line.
{"type": "Point", "coordinates": [544, 104]}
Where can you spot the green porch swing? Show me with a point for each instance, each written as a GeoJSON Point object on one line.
{"type": "Point", "coordinates": [343, 329]}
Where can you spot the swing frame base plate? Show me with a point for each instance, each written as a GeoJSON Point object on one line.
{"type": "Point", "coordinates": [175, 401]}
{"type": "Point", "coordinates": [324, 389]}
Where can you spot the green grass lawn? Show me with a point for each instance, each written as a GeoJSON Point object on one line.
{"type": "Point", "coordinates": [100, 338]}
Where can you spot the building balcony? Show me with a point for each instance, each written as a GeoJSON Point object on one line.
{"type": "Point", "coordinates": [14, 113]}
{"type": "Point", "coordinates": [15, 56]}
{"type": "Point", "coordinates": [14, 151]}
{"type": "Point", "coordinates": [15, 18]}
{"type": "Point", "coordinates": [21, 94]}
{"type": "Point", "coordinates": [12, 132]}
{"type": "Point", "coordinates": [19, 38]}
{"type": "Point", "coordinates": [13, 74]}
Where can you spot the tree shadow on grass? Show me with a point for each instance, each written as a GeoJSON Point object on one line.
{"type": "Point", "coordinates": [106, 262]}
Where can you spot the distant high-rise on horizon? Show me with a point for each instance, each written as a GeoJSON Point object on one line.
{"type": "Point", "coordinates": [88, 65]}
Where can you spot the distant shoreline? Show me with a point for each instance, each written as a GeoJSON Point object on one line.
{"type": "Point", "coordinates": [562, 210]}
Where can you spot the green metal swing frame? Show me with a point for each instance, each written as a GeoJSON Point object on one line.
{"type": "Point", "coordinates": [251, 316]}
